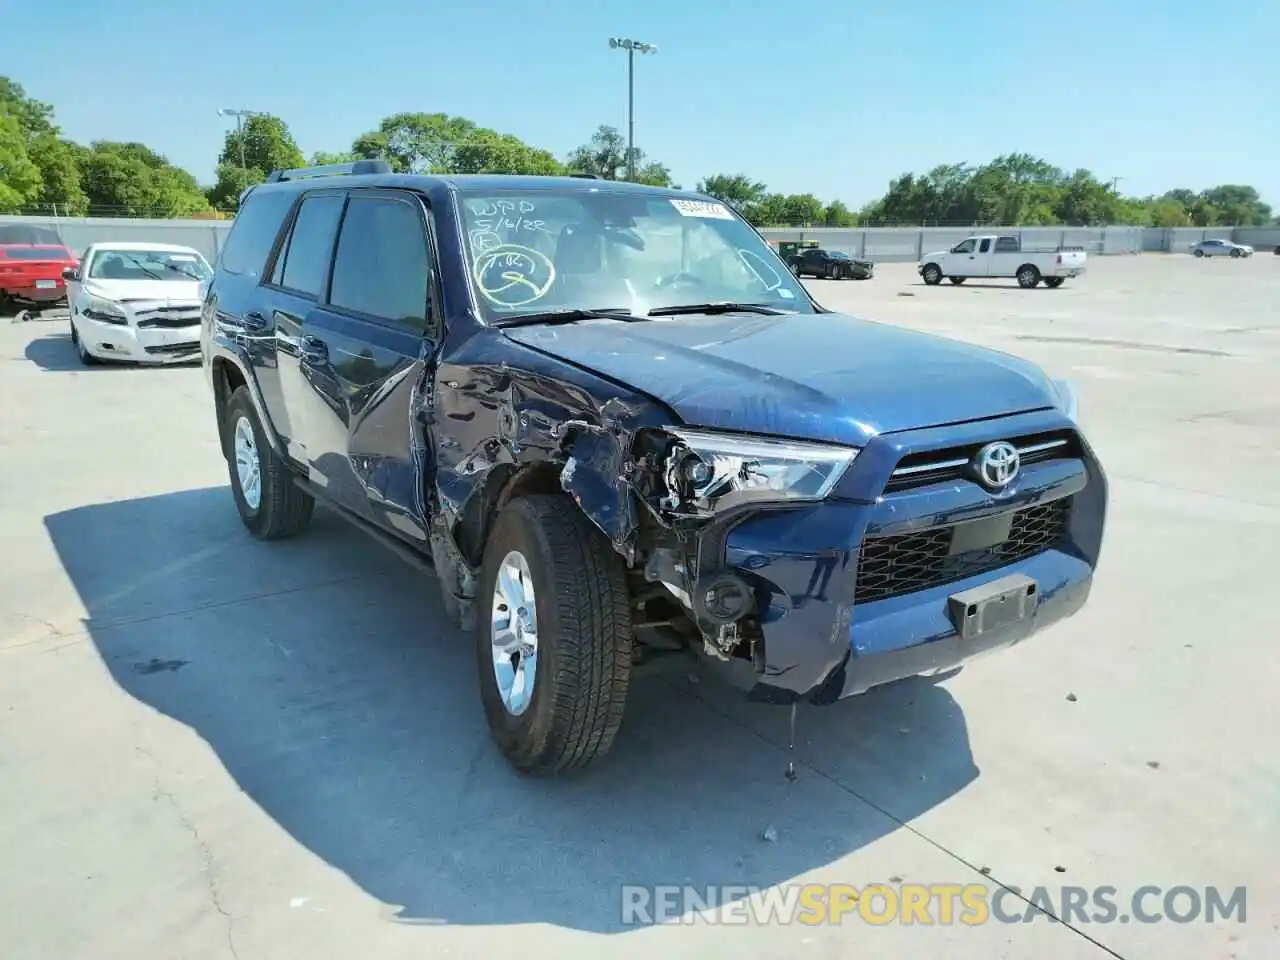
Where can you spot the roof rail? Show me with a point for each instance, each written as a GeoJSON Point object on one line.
{"type": "Point", "coordinates": [330, 170]}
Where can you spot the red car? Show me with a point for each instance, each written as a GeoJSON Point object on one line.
{"type": "Point", "coordinates": [31, 275]}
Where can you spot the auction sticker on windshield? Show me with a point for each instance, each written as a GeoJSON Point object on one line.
{"type": "Point", "coordinates": [702, 208]}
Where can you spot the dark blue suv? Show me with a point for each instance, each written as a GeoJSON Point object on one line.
{"type": "Point", "coordinates": [618, 429]}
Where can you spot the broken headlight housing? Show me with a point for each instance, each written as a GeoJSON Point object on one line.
{"type": "Point", "coordinates": [705, 472]}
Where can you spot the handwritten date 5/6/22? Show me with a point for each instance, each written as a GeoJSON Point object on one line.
{"type": "Point", "coordinates": [510, 224]}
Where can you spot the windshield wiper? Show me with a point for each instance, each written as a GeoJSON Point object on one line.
{"type": "Point", "coordinates": [720, 306]}
{"type": "Point", "coordinates": [143, 267]}
{"type": "Point", "coordinates": [570, 315]}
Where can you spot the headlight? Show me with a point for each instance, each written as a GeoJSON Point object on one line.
{"type": "Point", "coordinates": [1068, 401]}
{"type": "Point", "coordinates": [706, 471]}
{"type": "Point", "coordinates": [105, 310]}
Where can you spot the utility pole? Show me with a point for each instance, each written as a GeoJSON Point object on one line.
{"type": "Point", "coordinates": [631, 46]}
{"type": "Point", "coordinates": [239, 115]}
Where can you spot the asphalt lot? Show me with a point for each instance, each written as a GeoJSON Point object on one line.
{"type": "Point", "coordinates": [212, 747]}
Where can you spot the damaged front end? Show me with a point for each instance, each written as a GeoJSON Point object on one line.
{"type": "Point", "coordinates": [694, 487]}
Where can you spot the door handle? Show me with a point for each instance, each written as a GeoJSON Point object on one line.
{"type": "Point", "coordinates": [255, 322]}
{"type": "Point", "coordinates": [314, 351]}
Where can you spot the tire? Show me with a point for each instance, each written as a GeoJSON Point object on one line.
{"type": "Point", "coordinates": [1028, 276]}
{"type": "Point", "coordinates": [833, 271]}
{"type": "Point", "coordinates": [583, 637]}
{"type": "Point", "coordinates": [795, 268]}
{"type": "Point", "coordinates": [1199, 253]}
{"type": "Point", "coordinates": [1053, 283]}
{"type": "Point", "coordinates": [932, 274]}
{"type": "Point", "coordinates": [277, 508]}
{"type": "Point", "coordinates": [956, 281]}
{"type": "Point", "coordinates": [1237, 254]}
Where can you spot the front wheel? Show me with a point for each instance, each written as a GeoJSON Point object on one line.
{"type": "Point", "coordinates": [87, 359]}
{"type": "Point", "coordinates": [932, 274]}
{"type": "Point", "coordinates": [1028, 276]}
{"type": "Point", "coordinates": [271, 505]}
{"type": "Point", "coordinates": [553, 646]}
{"type": "Point", "coordinates": [1237, 254]}
{"type": "Point", "coordinates": [1199, 253]}
{"type": "Point", "coordinates": [956, 281]}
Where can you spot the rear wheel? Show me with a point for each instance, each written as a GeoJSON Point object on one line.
{"type": "Point", "coordinates": [1028, 276]}
{"type": "Point", "coordinates": [554, 653]}
{"type": "Point", "coordinates": [1199, 253]}
{"type": "Point", "coordinates": [1053, 283]}
{"type": "Point", "coordinates": [932, 274]}
{"type": "Point", "coordinates": [271, 505]}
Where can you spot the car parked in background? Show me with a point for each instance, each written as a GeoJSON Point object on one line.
{"type": "Point", "coordinates": [619, 429]}
{"type": "Point", "coordinates": [31, 275]}
{"type": "Point", "coordinates": [830, 264]}
{"type": "Point", "coordinates": [1221, 248]}
{"type": "Point", "coordinates": [137, 302]}
{"type": "Point", "coordinates": [993, 256]}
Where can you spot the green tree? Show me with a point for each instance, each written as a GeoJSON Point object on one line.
{"type": "Point", "coordinates": [34, 118]}
{"type": "Point", "coordinates": [487, 151]}
{"type": "Point", "coordinates": [416, 142]}
{"type": "Point", "coordinates": [1237, 205]}
{"type": "Point", "coordinates": [131, 180]}
{"type": "Point", "coordinates": [837, 214]}
{"type": "Point", "coordinates": [605, 156]}
{"type": "Point", "coordinates": [19, 177]}
{"type": "Point", "coordinates": [323, 158]}
{"type": "Point", "coordinates": [261, 145]}
{"type": "Point", "coordinates": [736, 189]}
{"type": "Point", "coordinates": [59, 164]}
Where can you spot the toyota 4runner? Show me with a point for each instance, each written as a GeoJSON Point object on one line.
{"type": "Point", "coordinates": [618, 428]}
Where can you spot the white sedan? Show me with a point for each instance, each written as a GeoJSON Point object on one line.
{"type": "Point", "coordinates": [1221, 248]}
{"type": "Point", "coordinates": [137, 302]}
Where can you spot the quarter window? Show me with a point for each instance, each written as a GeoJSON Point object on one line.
{"type": "Point", "coordinates": [254, 231]}
{"type": "Point", "coordinates": [381, 267]}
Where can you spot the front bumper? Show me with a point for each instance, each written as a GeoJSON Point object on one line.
{"type": "Point", "coordinates": [821, 643]}
{"type": "Point", "coordinates": [128, 343]}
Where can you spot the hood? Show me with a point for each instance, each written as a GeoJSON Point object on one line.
{"type": "Point", "coordinates": [822, 376]}
{"type": "Point", "coordinates": [182, 291]}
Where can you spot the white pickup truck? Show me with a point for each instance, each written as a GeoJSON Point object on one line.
{"type": "Point", "coordinates": [996, 256]}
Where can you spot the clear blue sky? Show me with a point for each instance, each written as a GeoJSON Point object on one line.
{"type": "Point", "coordinates": [837, 101]}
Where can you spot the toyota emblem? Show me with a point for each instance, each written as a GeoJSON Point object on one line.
{"type": "Point", "coordinates": [997, 464]}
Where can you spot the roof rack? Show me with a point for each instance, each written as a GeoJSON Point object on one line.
{"type": "Point", "coordinates": [585, 176]}
{"type": "Point", "coordinates": [330, 170]}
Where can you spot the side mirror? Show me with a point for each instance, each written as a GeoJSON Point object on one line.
{"type": "Point", "coordinates": [71, 275]}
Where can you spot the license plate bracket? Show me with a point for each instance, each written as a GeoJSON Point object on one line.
{"type": "Point", "coordinates": [46, 284]}
{"type": "Point", "coordinates": [993, 606]}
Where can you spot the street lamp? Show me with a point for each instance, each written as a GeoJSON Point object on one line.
{"type": "Point", "coordinates": [631, 46]}
{"type": "Point", "coordinates": [239, 115]}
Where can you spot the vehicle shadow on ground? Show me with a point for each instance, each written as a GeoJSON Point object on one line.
{"type": "Point", "coordinates": [56, 353]}
{"type": "Point", "coordinates": [322, 673]}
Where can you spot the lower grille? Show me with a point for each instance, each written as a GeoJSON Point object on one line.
{"type": "Point", "coordinates": [175, 348]}
{"type": "Point", "coordinates": [170, 323]}
{"type": "Point", "coordinates": [897, 565]}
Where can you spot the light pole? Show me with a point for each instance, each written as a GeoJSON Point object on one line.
{"type": "Point", "coordinates": [239, 115]}
{"type": "Point", "coordinates": [631, 46]}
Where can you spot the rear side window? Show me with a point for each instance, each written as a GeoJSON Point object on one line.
{"type": "Point", "coordinates": [302, 264]}
{"type": "Point", "coordinates": [1007, 245]}
{"type": "Point", "coordinates": [254, 232]}
{"type": "Point", "coordinates": [381, 267]}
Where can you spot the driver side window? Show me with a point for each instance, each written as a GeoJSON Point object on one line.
{"type": "Point", "coordinates": [965, 247]}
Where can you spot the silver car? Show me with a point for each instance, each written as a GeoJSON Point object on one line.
{"type": "Point", "coordinates": [1221, 248]}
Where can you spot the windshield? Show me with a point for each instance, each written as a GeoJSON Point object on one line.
{"type": "Point", "coordinates": [149, 265]}
{"type": "Point", "coordinates": [544, 250]}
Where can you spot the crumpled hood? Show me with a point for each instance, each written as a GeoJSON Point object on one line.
{"type": "Point", "coordinates": [820, 376]}
{"type": "Point", "coordinates": [179, 291]}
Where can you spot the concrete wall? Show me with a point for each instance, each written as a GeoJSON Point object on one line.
{"type": "Point", "coordinates": [890, 244]}
{"type": "Point", "coordinates": [207, 236]}
{"type": "Point", "coordinates": [883, 244]}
